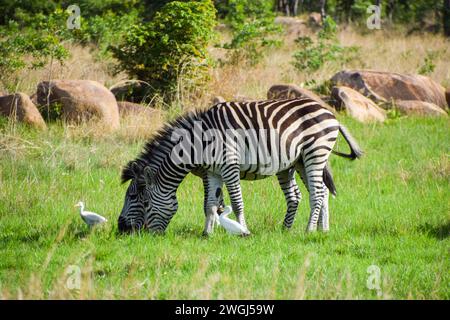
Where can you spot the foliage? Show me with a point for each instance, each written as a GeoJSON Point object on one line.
{"type": "Point", "coordinates": [428, 65]}
{"type": "Point", "coordinates": [52, 111]}
{"type": "Point", "coordinates": [171, 47]}
{"type": "Point", "coordinates": [17, 10]}
{"type": "Point", "coordinates": [32, 47]}
{"type": "Point", "coordinates": [11, 9]}
{"type": "Point", "coordinates": [106, 30]}
{"type": "Point", "coordinates": [252, 23]}
{"type": "Point", "coordinates": [312, 55]}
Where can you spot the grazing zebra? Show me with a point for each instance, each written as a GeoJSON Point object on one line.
{"type": "Point", "coordinates": [229, 142]}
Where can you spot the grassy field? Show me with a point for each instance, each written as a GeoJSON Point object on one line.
{"type": "Point", "coordinates": [392, 211]}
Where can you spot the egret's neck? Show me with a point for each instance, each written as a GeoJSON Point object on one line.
{"type": "Point", "coordinates": [81, 209]}
{"type": "Point", "coordinates": [226, 212]}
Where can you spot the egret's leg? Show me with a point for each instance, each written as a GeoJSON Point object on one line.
{"type": "Point", "coordinates": [213, 185]}
{"type": "Point", "coordinates": [292, 195]}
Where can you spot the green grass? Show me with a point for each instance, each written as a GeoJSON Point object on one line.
{"type": "Point", "coordinates": [392, 210]}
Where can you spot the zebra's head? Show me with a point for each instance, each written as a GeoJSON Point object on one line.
{"type": "Point", "coordinates": [137, 197]}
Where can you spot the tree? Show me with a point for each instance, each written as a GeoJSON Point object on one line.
{"type": "Point", "coordinates": [323, 3]}
{"type": "Point", "coordinates": [446, 17]}
{"type": "Point", "coordinates": [289, 7]}
{"type": "Point", "coordinates": [344, 7]}
{"type": "Point", "coordinates": [170, 52]}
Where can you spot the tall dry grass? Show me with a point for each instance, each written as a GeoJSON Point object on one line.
{"type": "Point", "coordinates": [382, 50]}
{"type": "Point", "coordinates": [83, 63]}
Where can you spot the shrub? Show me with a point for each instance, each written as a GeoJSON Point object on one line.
{"type": "Point", "coordinates": [428, 65]}
{"type": "Point", "coordinates": [252, 23]}
{"type": "Point", "coordinates": [10, 9]}
{"type": "Point", "coordinates": [312, 55]}
{"type": "Point", "coordinates": [32, 47]}
{"type": "Point", "coordinates": [105, 30]}
{"type": "Point", "coordinates": [171, 46]}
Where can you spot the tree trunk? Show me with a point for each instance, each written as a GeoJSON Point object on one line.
{"type": "Point", "coordinates": [323, 3]}
{"type": "Point", "coordinates": [390, 8]}
{"type": "Point", "coordinates": [446, 17]}
{"type": "Point", "coordinates": [295, 8]}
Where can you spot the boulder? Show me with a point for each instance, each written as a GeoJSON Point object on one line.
{"type": "Point", "coordinates": [421, 108]}
{"type": "Point", "coordinates": [356, 105]}
{"type": "Point", "coordinates": [80, 100]}
{"type": "Point", "coordinates": [33, 98]}
{"type": "Point", "coordinates": [132, 90]}
{"type": "Point", "coordinates": [386, 86]}
{"type": "Point", "coordinates": [20, 107]}
{"type": "Point", "coordinates": [315, 19]}
{"type": "Point", "coordinates": [127, 108]}
{"type": "Point", "coordinates": [292, 25]}
{"type": "Point", "coordinates": [292, 91]}
{"type": "Point", "coordinates": [447, 96]}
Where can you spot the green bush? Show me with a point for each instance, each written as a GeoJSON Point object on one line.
{"type": "Point", "coordinates": [32, 47]}
{"type": "Point", "coordinates": [428, 65]}
{"type": "Point", "coordinates": [312, 55]}
{"type": "Point", "coordinates": [10, 9]}
{"type": "Point", "coordinates": [252, 23]}
{"type": "Point", "coordinates": [105, 30]}
{"type": "Point", "coordinates": [172, 46]}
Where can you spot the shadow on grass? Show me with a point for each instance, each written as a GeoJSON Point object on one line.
{"type": "Point", "coordinates": [76, 231]}
{"type": "Point", "coordinates": [188, 232]}
{"type": "Point", "coordinates": [82, 234]}
{"type": "Point", "coordinates": [440, 232]}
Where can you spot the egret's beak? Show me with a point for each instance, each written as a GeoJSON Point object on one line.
{"type": "Point", "coordinates": [76, 206]}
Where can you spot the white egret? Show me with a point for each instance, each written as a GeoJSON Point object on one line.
{"type": "Point", "coordinates": [232, 227]}
{"type": "Point", "coordinates": [90, 218]}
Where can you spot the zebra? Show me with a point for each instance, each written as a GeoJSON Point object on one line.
{"type": "Point", "coordinates": [306, 134]}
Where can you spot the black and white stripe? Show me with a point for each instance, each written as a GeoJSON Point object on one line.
{"type": "Point", "coordinates": [304, 135]}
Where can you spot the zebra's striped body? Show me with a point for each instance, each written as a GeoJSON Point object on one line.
{"type": "Point", "coordinates": [276, 138]}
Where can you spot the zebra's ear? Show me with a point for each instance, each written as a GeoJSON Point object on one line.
{"type": "Point", "coordinates": [130, 171]}
{"type": "Point", "coordinates": [148, 175]}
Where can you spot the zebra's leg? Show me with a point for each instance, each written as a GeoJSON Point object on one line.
{"type": "Point", "coordinates": [231, 177]}
{"type": "Point", "coordinates": [213, 185]}
{"type": "Point", "coordinates": [292, 195]}
{"type": "Point", "coordinates": [323, 222]}
{"type": "Point", "coordinates": [314, 160]}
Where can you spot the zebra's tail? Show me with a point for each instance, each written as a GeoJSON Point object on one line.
{"type": "Point", "coordinates": [328, 180]}
{"type": "Point", "coordinates": [355, 150]}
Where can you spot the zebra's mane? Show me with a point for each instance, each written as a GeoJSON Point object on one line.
{"type": "Point", "coordinates": [155, 145]}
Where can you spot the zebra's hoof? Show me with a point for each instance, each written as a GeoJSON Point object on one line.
{"type": "Point", "coordinates": [311, 229]}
